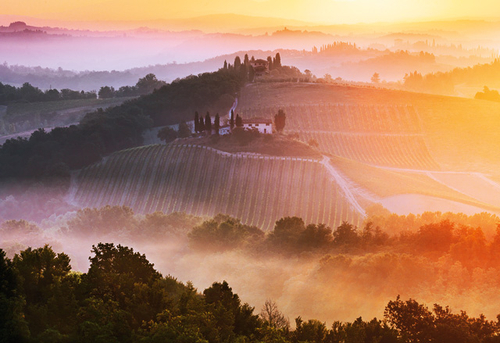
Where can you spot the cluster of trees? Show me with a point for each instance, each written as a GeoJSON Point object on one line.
{"type": "Point", "coordinates": [336, 48]}
{"type": "Point", "coordinates": [277, 71]}
{"type": "Point", "coordinates": [51, 154]}
{"type": "Point", "coordinates": [488, 94]}
{"type": "Point", "coordinates": [145, 85]}
{"type": "Point", "coordinates": [122, 298]}
{"type": "Point", "coordinates": [28, 93]}
{"type": "Point", "coordinates": [290, 236]}
{"type": "Point", "coordinates": [168, 134]}
{"type": "Point", "coordinates": [246, 69]}
{"type": "Point", "coordinates": [205, 126]}
{"type": "Point", "coordinates": [444, 82]}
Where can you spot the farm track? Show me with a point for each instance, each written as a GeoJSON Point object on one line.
{"type": "Point", "coordinates": [198, 180]}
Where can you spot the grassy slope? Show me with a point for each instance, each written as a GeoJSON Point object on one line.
{"type": "Point", "coordinates": [386, 183]}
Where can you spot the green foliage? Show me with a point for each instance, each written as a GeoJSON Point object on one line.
{"type": "Point", "coordinates": [223, 232]}
{"type": "Point", "coordinates": [28, 93]}
{"type": "Point", "coordinates": [99, 222]}
{"type": "Point", "coordinates": [184, 130]}
{"type": "Point", "coordinates": [414, 322]}
{"type": "Point", "coordinates": [279, 120]}
{"type": "Point", "coordinates": [122, 298]}
{"type": "Point", "coordinates": [167, 134]}
{"type": "Point", "coordinates": [13, 326]}
{"type": "Point", "coordinates": [106, 92]}
{"type": "Point", "coordinates": [48, 289]}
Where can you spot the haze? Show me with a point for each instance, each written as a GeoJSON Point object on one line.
{"type": "Point", "coordinates": [318, 11]}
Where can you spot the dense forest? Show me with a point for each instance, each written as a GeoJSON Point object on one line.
{"type": "Point", "coordinates": [122, 298]}
{"type": "Point", "coordinates": [47, 155]}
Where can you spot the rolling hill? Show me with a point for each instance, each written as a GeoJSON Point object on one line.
{"type": "Point", "coordinates": [258, 189]}
{"type": "Point", "coordinates": [397, 148]}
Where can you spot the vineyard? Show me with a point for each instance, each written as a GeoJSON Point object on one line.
{"type": "Point", "coordinates": [202, 181]}
{"type": "Point", "coordinates": [341, 117]}
{"type": "Point", "coordinates": [388, 136]}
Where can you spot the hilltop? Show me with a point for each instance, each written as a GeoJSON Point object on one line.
{"type": "Point", "coordinates": [274, 145]}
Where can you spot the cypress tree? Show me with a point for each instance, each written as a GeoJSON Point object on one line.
{"type": "Point", "coordinates": [208, 124]}
{"type": "Point", "coordinates": [231, 120]}
{"type": "Point", "coordinates": [201, 125]}
{"type": "Point", "coordinates": [239, 121]}
{"type": "Point", "coordinates": [196, 122]}
{"type": "Point", "coordinates": [277, 60]}
{"type": "Point", "coordinates": [237, 62]}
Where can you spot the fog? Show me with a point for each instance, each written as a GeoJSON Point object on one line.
{"type": "Point", "coordinates": [322, 285]}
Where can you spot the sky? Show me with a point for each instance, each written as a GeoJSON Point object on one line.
{"type": "Point", "coordinates": [320, 11]}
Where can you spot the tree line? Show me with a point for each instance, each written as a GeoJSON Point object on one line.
{"type": "Point", "coordinates": [122, 298]}
{"type": "Point", "coordinates": [28, 93]}
{"type": "Point", "coordinates": [52, 154]}
{"type": "Point", "coordinates": [444, 82]}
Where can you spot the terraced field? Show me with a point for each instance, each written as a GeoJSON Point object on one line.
{"type": "Point", "coordinates": [374, 134]}
{"type": "Point", "coordinates": [202, 181]}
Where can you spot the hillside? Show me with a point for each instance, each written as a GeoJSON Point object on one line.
{"type": "Point", "coordinates": [273, 145]}
{"type": "Point", "coordinates": [406, 143]}
{"type": "Point", "coordinates": [202, 181]}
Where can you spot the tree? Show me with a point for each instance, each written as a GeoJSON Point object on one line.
{"type": "Point", "coordinates": [346, 235]}
{"type": "Point", "coordinates": [201, 125]}
{"type": "Point", "coordinates": [217, 124]}
{"type": "Point", "coordinates": [273, 316]}
{"type": "Point", "coordinates": [237, 63]}
{"type": "Point", "coordinates": [225, 65]}
{"type": "Point", "coordinates": [116, 271]}
{"type": "Point", "coordinates": [413, 321]}
{"type": "Point", "coordinates": [376, 78]}
{"type": "Point", "coordinates": [167, 134]}
{"type": "Point", "coordinates": [239, 121]}
{"type": "Point", "coordinates": [208, 124]}
{"type": "Point", "coordinates": [279, 120]}
{"type": "Point", "coordinates": [106, 92]}
{"type": "Point", "coordinates": [46, 286]}
{"type": "Point", "coordinates": [277, 61]}
{"type": "Point", "coordinates": [270, 62]}
{"type": "Point", "coordinates": [184, 130]}
{"type": "Point", "coordinates": [13, 326]}
{"type": "Point", "coordinates": [246, 61]}
{"type": "Point", "coordinates": [148, 84]}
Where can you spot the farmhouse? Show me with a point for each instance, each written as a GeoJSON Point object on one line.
{"type": "Point", "coordinates": [260, 67]}
{"type": "Point", "coordinates": [262, 125]}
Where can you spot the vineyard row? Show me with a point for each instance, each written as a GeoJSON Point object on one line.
{"type": "Point", "coordinates": [345, 117]}
{"type": "Point", "coordinates": [197, 180]}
